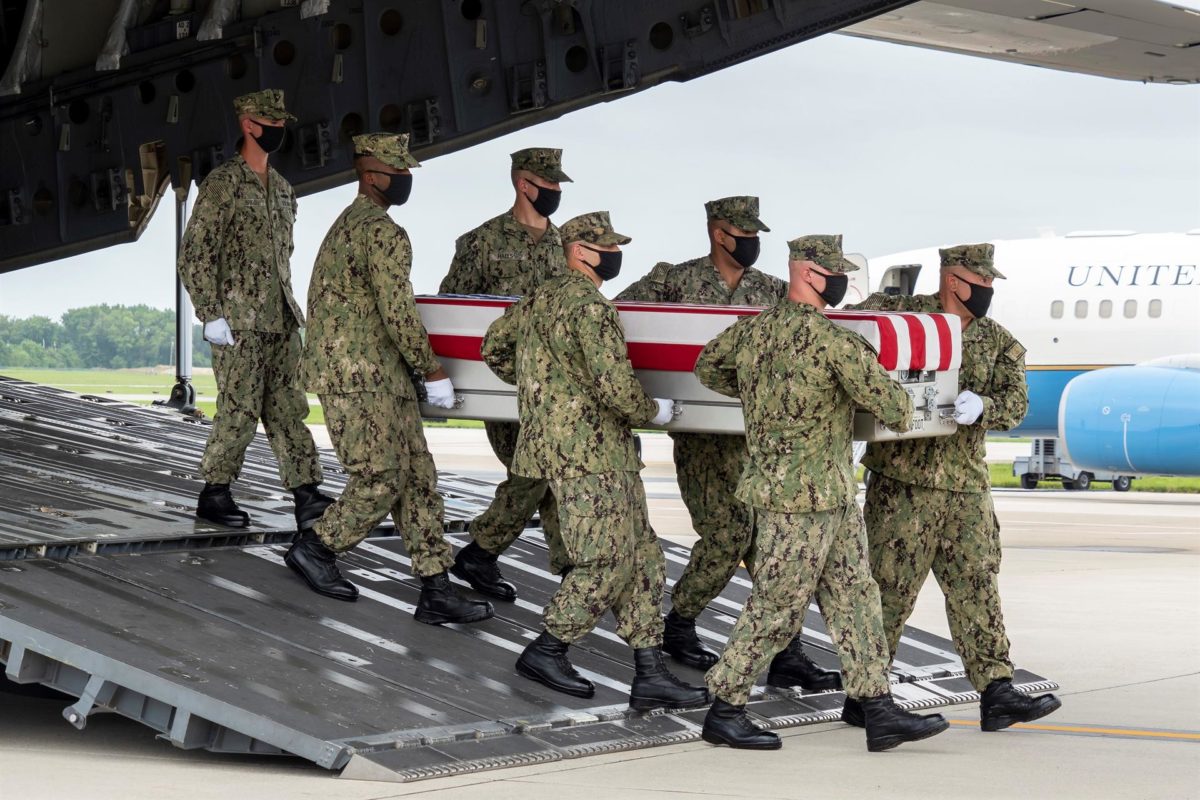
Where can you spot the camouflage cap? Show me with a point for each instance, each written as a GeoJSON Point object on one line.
{"type": "Point", "coordinates": [977, 258]}
{"type": "Point", "coordinates": [390, 148]}
{"type": "Point", "coordinates": [741, 210]}
{"type": "Point", "coordinates": [593, 228]}
{"type": "Point", "coordinates": [545, 162]}
{"type": "Point", "coordinates": [824, 250]}
{"type": "Point", "coordinates": [265, 104]}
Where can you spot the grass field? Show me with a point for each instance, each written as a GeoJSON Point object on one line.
{"type": "Point", "coordinates": [112, 381]}
{"type": "Point", "coordinates": [1002, 477]}
{"type": "Point", "coordinates": [143, 384]}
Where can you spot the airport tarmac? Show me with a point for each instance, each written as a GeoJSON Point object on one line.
{"type": "Point", "coordinates": [1101, 593]}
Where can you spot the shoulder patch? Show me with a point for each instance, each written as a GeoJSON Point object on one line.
{"type": "Point", "coordinates": [1015, 352]}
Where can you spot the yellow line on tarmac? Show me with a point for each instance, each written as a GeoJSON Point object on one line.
{"type": "Point", "coordinates": [1147, 734]}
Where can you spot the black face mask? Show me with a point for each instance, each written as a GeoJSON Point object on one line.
{"type": "Point", "coordinates": [745, 249]}
{"type": "Point", "coordinates": [979, 299]}
{"type": "Point", "coordinates": [835, 289]}
{"type": "Point", "coordinates": [398, 190]}
{"type": "Point", "coordinates": [547, 200]}
{"type": "Point", "coordinates": [609, 266]}
{"type": "Point", "coordinates": [271, 138]}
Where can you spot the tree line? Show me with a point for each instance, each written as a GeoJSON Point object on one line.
{"type": "Point", "coordinates": [104, 336]}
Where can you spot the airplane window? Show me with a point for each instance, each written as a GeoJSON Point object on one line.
{"type": "Point", "coordinates": [1130, 309]}
{"type": "Point", "coordinates": [1056, 309]}
{"type": "Point", "coordinates": [1080, 309]}
{"type": "Point", "coordinates": [1155, 309]}
{"type": "Point", "coordinates": [1106, 308]}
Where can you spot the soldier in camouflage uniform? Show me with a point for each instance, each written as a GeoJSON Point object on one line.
{"type": "Point", "coordinates": [364, 339]}
{"type": "Point", "coordinates": [800, 379]}
{"type": "Point", "coordinates": [564, 348]}
{"type": "Point", "coordinates": [929, 502]}
{"type": "Point", "coordinates": [234, 263]}
{"type": "Point", "coordinates": [708, 466]}
{"type": "Point", "coordinates": [510, 255]}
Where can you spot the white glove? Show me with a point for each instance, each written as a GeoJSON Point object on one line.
{"type": "Point", "coordinates": [218, 332]}
{"type": "Point", "coordinates": [968, 407]}
{"type": "Point", "coordinates": [666, 411]}
{"type": "Point", "coordinates": [440, 393]}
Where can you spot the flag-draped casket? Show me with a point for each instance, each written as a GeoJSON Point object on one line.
{"type": "Point", "coordinates": [922, 351]}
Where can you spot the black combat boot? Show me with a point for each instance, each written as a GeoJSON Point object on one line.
{"type": "Point", "coordinates": [888, 725]}
{"type": "Point", "coordinates": [793, 667]}
{"type": "Point", "coordinates": [216, 505]}
{"type": "Point", "coordinates": [479, 568]}
{"type": "Point", "coordinates": [852, 713]}
{"type": "Point", "coordinates": [317, 565]}
{"type": "Point", "coordinates": [682, 644]}
{"type": "Point", "coordinates": [728, 724]}
{"type": "Point", "coordinates": [545, 660]}
{"type": "Point", "coordinates": [441, 603]}
{"type": "Point", "coordinates": [655, 687]}
{"type": "Point", "coordinates": [1003, 705]}
{"type": "Point", "coordinates": [310, 505]}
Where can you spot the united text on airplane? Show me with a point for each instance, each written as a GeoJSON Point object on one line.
{"type": "Point", "coordinates": [1133, 275]}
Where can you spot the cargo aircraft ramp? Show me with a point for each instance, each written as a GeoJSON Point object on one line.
{"type": "Point", "coordinates": [112, 593]}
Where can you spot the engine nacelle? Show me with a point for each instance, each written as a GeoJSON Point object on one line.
{"type": "Point", "coordinates": [1133, 420]}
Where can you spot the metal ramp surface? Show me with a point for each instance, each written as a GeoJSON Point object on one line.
{"type": "Point", "coordinates": [218, 646]}
{"type": "Point", "coordinates": [88, 474]}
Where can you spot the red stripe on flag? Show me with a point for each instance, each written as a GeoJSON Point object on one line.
{"type": "Point", "coordinates": [945, 342]}
{"type": "Point", "coordinates": [669, 357]}
{"type": "Point", "coordinates": [889, 346]}
{"type": "Point", "coordinates": [916, 342]}
{"type": "Point", "coordinates": [664, 357]}
{"type": "Point", "coordinates": [451, 346]}
{"type": "Point", "coordinates": [643, 355]}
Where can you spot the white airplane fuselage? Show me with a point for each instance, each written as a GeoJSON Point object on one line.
{"type": "Point", "coordinates": [1087, 302]}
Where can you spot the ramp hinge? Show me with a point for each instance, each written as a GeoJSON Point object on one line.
{"type": "Point", "coordinates": [98, 692]}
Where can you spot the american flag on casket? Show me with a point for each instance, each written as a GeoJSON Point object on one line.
{"type": "Point", "coordinates": [922, 351]}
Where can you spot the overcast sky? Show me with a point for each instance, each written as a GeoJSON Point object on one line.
{"type": "Point", "coordinates": [893, 146]}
